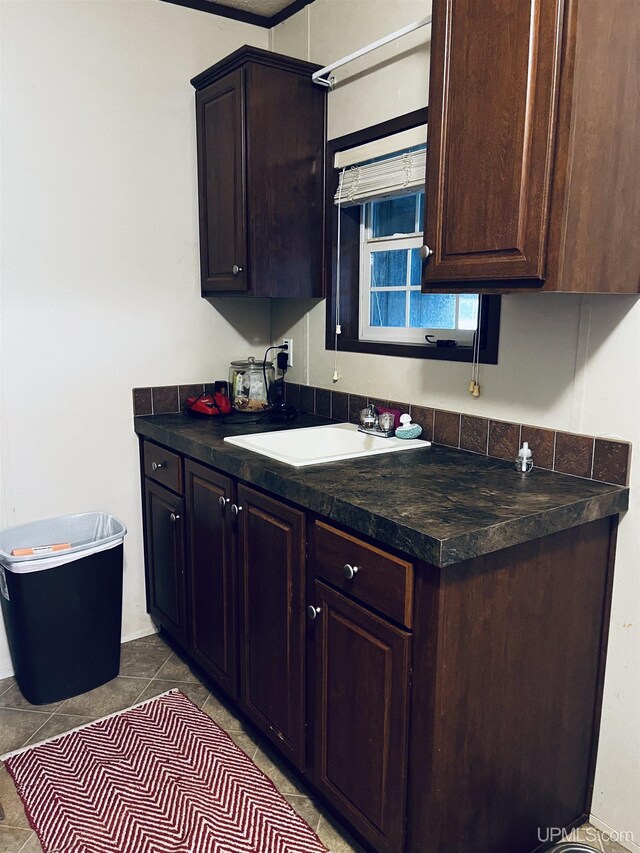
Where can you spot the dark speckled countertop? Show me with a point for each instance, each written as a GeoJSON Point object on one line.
{"type": "Point", "coordinates": [440, 505]}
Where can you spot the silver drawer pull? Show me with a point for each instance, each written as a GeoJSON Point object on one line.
{"type": "Point", "coordinates": [223, 502]}
{"type": "Point", "coordinates": [236, 269]}
{"type": "Point", "coordinates": [350, 571]}
{"type": "Point", "coordinates": [173, 517]}
{"type": "Point", "coordinates": [235, 510]}
{"type": "Point", "coordinates": [156, 466]}
{"type": "Point", "coordinates": [313, 612]}
{"type": "Point", "coordinates": [425, 252]}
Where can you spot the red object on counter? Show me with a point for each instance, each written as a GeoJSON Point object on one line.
{"type": "Point", "coordinates": [208, 405]}
{"type": "Point", "coordinates": [222, 402]}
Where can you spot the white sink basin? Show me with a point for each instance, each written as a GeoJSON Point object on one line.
{"type": "Point", "coordinates": [314, 445]}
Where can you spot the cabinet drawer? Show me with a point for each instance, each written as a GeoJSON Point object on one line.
{"type": "Point", "coordinates": [163, 466]}
{"type": "Point", "coordinates": [380, 579]}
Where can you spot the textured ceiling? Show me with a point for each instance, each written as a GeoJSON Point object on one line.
{"type": "Point", "coordinates": [266, 8]}
{"type": "Point", "coordinates": [262, 13]}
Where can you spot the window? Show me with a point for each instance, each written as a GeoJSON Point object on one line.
{"type": "Point", "coordinates": [392, 307]}
{"type": "Point", "coordinates": [375, 205]}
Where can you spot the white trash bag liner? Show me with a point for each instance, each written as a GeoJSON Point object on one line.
{"type": "Point", "coordinates": [87, 533]}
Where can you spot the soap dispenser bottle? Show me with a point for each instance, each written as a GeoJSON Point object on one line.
{"type": "Point", "coordinates": [524, 459]}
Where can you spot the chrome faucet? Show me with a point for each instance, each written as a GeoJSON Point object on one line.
{"type": "Point", "coordinates": [370, 423]}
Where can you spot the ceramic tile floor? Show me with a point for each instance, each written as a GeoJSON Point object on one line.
{"type": "Point", "coordinates": [148, 667]}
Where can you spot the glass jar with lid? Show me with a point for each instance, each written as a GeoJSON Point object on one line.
{"type": "Point", "coordinates": [250, 384]}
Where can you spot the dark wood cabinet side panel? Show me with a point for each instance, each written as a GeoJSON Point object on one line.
{"type": "Point", "coordinates": [509, 729]}
{"type": "Point", "coordinates": [594, 239]}
{"type": "Point", "coordinates": [422, 721]}
{"type": "Point", "coordinates": [271, 553]}
{"type": "Point", "coordinates": [212, 592]}
{"type": "Point", "coordinates": [606, 617]}
{"type": "Point", "coordinates": [491, 128]}
{"type": "Point", "coordinates": [219, 118]}
{"type": "Point", "coordinates": [285, 162]}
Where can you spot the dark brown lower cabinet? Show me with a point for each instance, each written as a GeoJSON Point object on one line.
{"type": "Point", "coordinates": [361, 678]}
{"type": "Point", "coordinates": [233, 595]}
{"type": "Point", "coordinates": [212, 588]}
{"type": "Point", "coordinates": [271, 573]}
{"type": "Point", "coordinates": [164, 537]}
{"type": "Point", "coordinates": [448, 709]}
{"type": "Point", "coordinates": [508, 663]}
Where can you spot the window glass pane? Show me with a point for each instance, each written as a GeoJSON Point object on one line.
{"type": "Point", "coordinates": [388, 308]}
{"type": "Point", "coordinates": [393, 216]}
{"type": "Point", "coordinates": [432, 310]}
{"type": "Point", "coordinates": [416, 267]}
{"type": "Point", "coordinates": [421, 212]}
{"type": "Point", "coordinates": [389, 269]}
{"type": "Point", "coordinates": [468, 311]}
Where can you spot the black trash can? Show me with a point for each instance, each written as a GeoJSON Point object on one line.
{"type": "Point", "coordinates": [62, 603]}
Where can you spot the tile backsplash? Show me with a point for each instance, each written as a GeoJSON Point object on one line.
{"type": "Point", "coordinates": [581, 455]}
{"type": "Point", "coordinates": [165, 399]}
{"type": "Point", "coordinates": [606, 460]}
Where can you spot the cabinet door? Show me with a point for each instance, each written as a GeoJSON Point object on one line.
{"type": "Point", "coordinates": [492, 100]}
{"type": "Point", "coordinates": [212, 594]}
{"type": "Point", "coordinates": [271, 550]}
{"type": "Point", "coordinates": [361, 683]}
{"type": "Point", "coordinates": [221, 191]}
{"type": "Point", "coordinates": [165, 560]}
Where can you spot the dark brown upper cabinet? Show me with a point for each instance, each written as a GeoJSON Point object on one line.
{"type": "Point", "coordinates": [260, 129]}
{"type": "Point", "coordinates": [533, 146]}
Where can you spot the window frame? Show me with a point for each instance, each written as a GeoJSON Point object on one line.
{"type": "Point", "coordinates": [351, 259]}
{"type": "Point", "coordinates": [367, 332]}
{"type": "Point", "coordinates": [403, 334]}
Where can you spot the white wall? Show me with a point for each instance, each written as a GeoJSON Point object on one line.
{"type": "Point", "coordinates": [566, 361]}
{"type": "Point", "coordinates": [99, 277]}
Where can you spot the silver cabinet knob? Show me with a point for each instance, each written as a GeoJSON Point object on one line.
{"type": "Point", "coordinates": [425, 252]}
{"type": "Point", "coordinates": [236, 269]}
{"type": "Point", "coordinates": [156, 466]}
{"type": "Point", "coordinates": [223, 502]}
{"type": "Point", "coordinates": [173, 517]}
{"type": "Point", "coordinates": [313, 612]}
{"type": "Point", "coordinates": [350, 571]}
{"type": "Point", "coordinates": [235, 510]}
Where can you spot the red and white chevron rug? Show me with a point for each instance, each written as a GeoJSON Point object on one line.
{"type": "Point", "coordinates": [159, 777]}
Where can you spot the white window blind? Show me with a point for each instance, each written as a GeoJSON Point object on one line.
{"type": "Point", "coordinates": [394, 174]}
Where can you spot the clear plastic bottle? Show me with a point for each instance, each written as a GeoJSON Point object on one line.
{"type": "Point", "coordinates": [524, 459]}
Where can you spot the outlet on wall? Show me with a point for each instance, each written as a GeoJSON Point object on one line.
{"type": "Point", "coordinates": [289, 343]}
